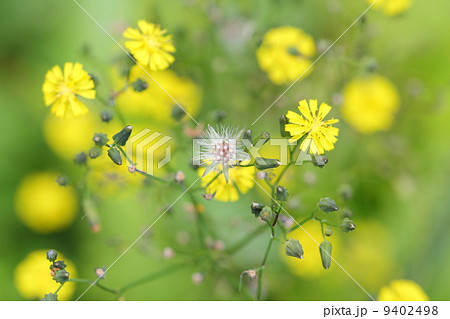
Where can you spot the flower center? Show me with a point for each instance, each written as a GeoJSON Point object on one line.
{"type": "Point", "coordinates": [224, 153]}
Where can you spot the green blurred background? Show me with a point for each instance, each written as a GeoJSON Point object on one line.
{"type": "Point", "coordinates": [400, 178]}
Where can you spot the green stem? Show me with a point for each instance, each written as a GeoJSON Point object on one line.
{"type": "Point", "coordinates": [139, 171]}
{"type": "Point", "coordinates": [99, 285]}
{"type": "Point", "coordinates": [60, 286]}
{"type": "Point", "coordinates": [266, 255]}
{"type": "Point", "coordinates": [303, 221]}
{"type": "Point", "coordinates": [245, 241]}
{"type": "Point", "coordinates": [153, 276]}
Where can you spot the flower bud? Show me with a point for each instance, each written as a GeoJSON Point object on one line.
{"type": "Point", "coordinates": [52, 255]}
{"type": "Point", "coordinates": [178, 113]}
{"type": "Point", "coordinates": [122, 137]}
{"type": "Point", "coordinates": [346, 191]}
{"type": "Point", "coordinates": [319, 160]}
{"type": "Point", "coordinates": [281, 194]}
{"type": "Point", "coordinates": [139, 85]}
{"type": "Point", "coordinates": [248, 136]}
{"type": "Point", "coordinates": [106, 116]}
{"type": "Point", "coordinates": [180, 177]}
{"type": "Point", "coordinates": [62, 180]}
{"type": "Point", "coordinates": [264, 136]}
{"type": "Point", "coordinates": [59, 264]}
{"type": "Point", "coordinates": [293, 51]}
{"type": "Point", "coordinates": [266, 163]}
{"type": "Point", "coordinates": [256, 208]}
{"type": "Point", "coordinates": [50, 297]}
{"type": "Point", "coordinates": [347, 225]}
{"type": "Point", "coordinates": [168, 253]}
{"type": "Point", "coordinates": [329, 231]}
{"type": "Point", "coordinates": [100, 272]}
{"type": "Point", "coordinates": [266, 214]}
{"type": "Point", "coordinates": [327, 205]}
{"type": "Point", "coordinates": [325, 253]}
{"type": "Point", "coordinates": [95, 152]}
{"type": "Point", "coordinates": [197, 278]}
{"type": "Point", "coordinates": [61, 276]}
{"type": "Point", "coordinates": [283, 122]}
{"type": "Point", "coordinates": [80, 158]}
{"type": "Point", "coordinates": [100, 139]}
{"type": "Point", "coordinates": [219, 116]}
{"type": "Point", "coordinates": [115, 156]}
{"type": "Point", "coordinates": [293, 248]}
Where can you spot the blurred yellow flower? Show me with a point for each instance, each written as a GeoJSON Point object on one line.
{"type": "Point", "coordinates": [362, 253]}
{"type": "Point", "coordinates": [153, 103]}
{"type": "Point", "coordinates": [370, 103]}
{"type": "Point", "coordinates": [43, 205]}
{"type": "Point", "coordinates": [150, 46]}
{"type": "Point", "coordinates": [321, 135]}
{"type": "Point", "coordinates": [402, 290]}
{"type": "Point", "coordinates": [68, 137]}
{"type": "Point", "coordinates": [32, 277]}
{"type": "Point", "coordinates": [240, 182]}
{"type": "Point", "coordinates": [311, 264]}
{"type": "Point", "coordinates": [285, 54]}
{"type": "Point", "coordinates": [62, 89]}
{"type": "Point", "coordinates": [391, 7]}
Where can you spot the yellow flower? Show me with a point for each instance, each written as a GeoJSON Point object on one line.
{"type": "Point", "coordinates": [43, 205]}
{"type": "Point", "coordinates": [285, 54]}
{"type": "Point", "coordinates": [311, 264]}
{"type": "Point", "coordinates": [391, 7]}
{"type": "Point", "coordinates": [402, 290]}
{"type": "Point", "coordinates": [321, 135]}
{"type": "Point", "coordinates": [32, 277]}
{"type": "Point", "coordinates": [150, 46]}
{"type": "Point", "coordinates": [370, 103]}
{"type": "Point", "coordinates": [153, 103]}
{"type": "Point", "coordinates": [62, 89]}
{"type": "Point", "coordinates": [240, 181]}
{"type": "Point", "coordinates": [362, 253]}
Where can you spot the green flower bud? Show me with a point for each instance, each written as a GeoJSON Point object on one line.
{"type": "Point", "coordinates": [59, 264]}
{"type": "Point", "coordinates": [319, 160]}
{"type": "Point", "coordinates": [293, 51]}
{"type": "Point", "coordinates": [139, 85]}
{"type": "Point", "coordinates": [94, 79]}
{"type": "Point", "coordinates": [61, 276]}
{"type": "Point", "coordinates": [80, 158]}
{"type": "Point", "coordinates": [122, 137]}
{"type": "Point", "coordinates": [95, 152]}
{"type": "Point", "coordinates": [62, 180]}
{"type": "Point", "coordinates": [114, 155]}
{"type": "Point", "coordinates": [325, 253]}
{"type": "Point", "coordinates": [256, 208]}
{"type": "Point", "coordinates": [283, 122]}
{"type": "Point", "coordinates": [266, 214]}
{"type": "Point", "coordinates": [281, 194]}
{"type": "Point", "coordinates": [264, 136]}
{"type": "Point", "coordinates": [219, 116]}
{"type": "Point", "coordinates": [100, 139]}
{"type": "Point", "coordinates": [178, 113]}
{"type": "Point", "coordinates": [248, 136]}
{"type": "Point", "coordinates": [50, 297]}
{"type": "Point", "coordinates": [329, 231]}
{"type": "Point", "coordinates": [346, 191]}
{"type": "Point", "coordinates": [262, 163]}
{"type": "Point", "coordinates": [52, 255]}
{"type": "Point", "coordinates": [327, 205]}
{"type": "Point", "coordinates": [106, 116]}
{"type": "Point", "coordinates": [347, 225]}
{"type": "Point", "coordinates": [293, 248]}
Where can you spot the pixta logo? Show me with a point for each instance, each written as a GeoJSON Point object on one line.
{"type": "Point", "coordinates": [149, 150]}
